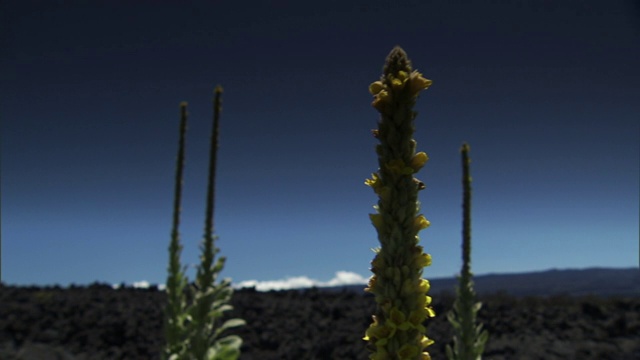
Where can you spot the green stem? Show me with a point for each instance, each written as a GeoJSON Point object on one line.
{"type": "Point", "coordinates": [211, 300]}
{"type": "Point", "coordinates": [469, 340]}
{"type": "Point", "coordinates": [176, 280]}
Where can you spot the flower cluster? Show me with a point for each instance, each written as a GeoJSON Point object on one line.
{"type": "Point", "coordinates": [403, 84]}
{"type": "Point", "coordinates": [397, 330]}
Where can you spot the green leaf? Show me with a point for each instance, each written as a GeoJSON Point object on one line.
{"type": "Point", "coordinates": [451, 316]}
{"type": "Point", "coordinates": [231, 323]}
{"type": "Point", "coordinates": [221, 306]}
{"type": "Point", "coordinates": [477, 306]}
{"type": "Point", "coordinates": [450, 355]}
{"type": "Point", "coordinates": [484, 336]}
{"type": "Point", "coordinates": [228, 348]}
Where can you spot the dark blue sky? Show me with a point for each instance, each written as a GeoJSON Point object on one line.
{"type": "Point", "coordinates": [546, 93]}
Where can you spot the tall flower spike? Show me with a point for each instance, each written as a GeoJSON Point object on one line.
{"type": "Point", "coordinates": [175, 316]}
{"type": "Point", "coordinates": [469, 339]}
{"type": "Point", "coordinates": [400, 292]}
{"type": "Point", "coordinates": [212, 299]}
{"type": "Point", "coordinates": [193, 328]}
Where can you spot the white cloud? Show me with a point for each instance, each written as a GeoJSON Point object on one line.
{"type": "Point", "coordinates": [297, 282]}
{"type": "Point", "coordinates": [140, 285]}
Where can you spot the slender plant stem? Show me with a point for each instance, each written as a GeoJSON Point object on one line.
{"type": "Point", "coordinates": [191, 326]}
{"type": "Point", "coordinates": [469, 340]}
{"type": "Point", "coordinates": [176, 280]}
{"type": "Point", "coordinates": [213, 156]}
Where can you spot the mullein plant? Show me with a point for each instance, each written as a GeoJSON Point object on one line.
{"type": "Point", "coordinates": [193, 320]}
{"type": "Point", "coordinates": [469, 339]}
{"type": "Point", "coordinates": [397, 331]}
{"type": "Point", "coordinates": [176, 317]}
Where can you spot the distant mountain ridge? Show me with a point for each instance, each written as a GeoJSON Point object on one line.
{"type": "Point", "coordinates": [575, 282]}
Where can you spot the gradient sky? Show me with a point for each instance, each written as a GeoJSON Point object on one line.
{"type": "Point", "coordinates": [545, 92]}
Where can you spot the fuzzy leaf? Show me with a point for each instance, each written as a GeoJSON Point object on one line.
{"type": "Point", "coordinates": [231, 323]}
{"type": "Point", "coordinates": [452, 319]}
{"type": "Point", "coordinates": [450, 355]}
{"type": "Point", "coordinates": [227, 348]}
{"type": "Point", "coordinates": [477, 306]}
{"type": "Point", "coordinates": [484, 336]}
{"type": "Point", "coordinates": [219, 311]}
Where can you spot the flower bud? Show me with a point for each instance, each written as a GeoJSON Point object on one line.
{"type": "Point", "coordinates": [422, 260]}
{"type": "Point", "coordinates": [418, 161]}
{"type": "Point", "coordinates": [376, 87]}
{"type": "Point", "coordinates": [421, 223]}
{"type": "Point", "coordinates": [418, 83]}
{"type": "Point", "coordinates": [424, 286]}
{"type": "Point", "coordinates": [381, 100]}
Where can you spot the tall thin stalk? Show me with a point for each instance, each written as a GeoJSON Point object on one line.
{"type": "Point", "coordinates": [212, 300]}
{"type": "Point", "coordinates": [397, 331]}
{"type": "Point", "coordinates": [194, 328]}
{"type": "Point", "coordinates": [469, 339]}
{"type": "Point", "coordinates": [175, 316]}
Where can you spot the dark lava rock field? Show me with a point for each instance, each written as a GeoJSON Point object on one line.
{"type": "Point", "coordinates": [99, 322]}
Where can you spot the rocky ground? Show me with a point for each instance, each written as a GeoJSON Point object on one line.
{"type": "Point", "coordinates": [98, 322]}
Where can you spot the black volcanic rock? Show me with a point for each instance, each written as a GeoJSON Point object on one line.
{"type": "Point", "coordinates": [99, 322]}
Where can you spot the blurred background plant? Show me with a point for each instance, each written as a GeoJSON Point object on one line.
{"type": "Point", "coordinates": [469, 339]}
{"type": "Point", "coordinates": [194, 323]}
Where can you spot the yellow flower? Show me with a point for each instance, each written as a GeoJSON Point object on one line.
{"type": "Point", "coordinates": [398, 80]}
{"type": "Point", "coordinates": [421, 223]}
{"type": "Point", "coordinates": [426, 342]}
{"type": "Point", "coordinates": [376, 185]}
{"type": "Point", "coordinates": [424, 286]}
{"type": "Point", "coordinates": [381, 100]}
{"type": "Point", "coordinates": [374, 182]}
{"type": "Point", "coordinates": [372, 328]}
{"type": "Point", "coordinates": [397, 84]}
{"type": "Point", "coordinates": [422, 260]}
{"type": "Point", "coordinates": [418, 161]}
{"type": "Point", "coordinates": [426, 356]}
{"type": "Point", "coordinates": [423, 302]}
{"type": "Point", "coordinates": [430, 310]}
{"type": "Point", "coordinates": [371, 284]}
{"type": "Point", "coordinates": [418, 83]}
{"type": "Point", "coordinates": [376, 87]}
{"type": "Point", "coordinates": [378, 332]}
